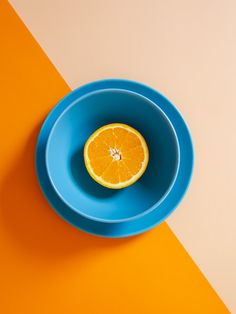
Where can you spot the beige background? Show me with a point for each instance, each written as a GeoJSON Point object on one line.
{"type": "Point", "coordinates": [186, 49]}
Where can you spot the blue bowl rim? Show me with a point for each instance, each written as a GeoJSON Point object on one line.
{"type": "Point", "coordinates": [68, 107]}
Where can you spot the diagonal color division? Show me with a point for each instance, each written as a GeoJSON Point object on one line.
{"type": "Point", "coordinates": [46, 265]}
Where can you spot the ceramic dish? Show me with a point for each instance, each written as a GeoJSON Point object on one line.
{"type": "Point", "coordinates": [151, 217]}
{"type": "Point", "coordinates": [65, 162]}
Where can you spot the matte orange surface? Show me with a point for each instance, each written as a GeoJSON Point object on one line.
{"type": "Point", "coordinates": [46, 265]}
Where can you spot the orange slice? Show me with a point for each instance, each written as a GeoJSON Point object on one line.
{"type": "Point", "coordinates": [116, 155]}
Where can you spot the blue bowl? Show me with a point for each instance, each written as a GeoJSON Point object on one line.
{"type": "Point", "coordinates": [65, 164]}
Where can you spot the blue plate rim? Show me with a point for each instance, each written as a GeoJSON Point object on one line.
{"type": "Point", "coordinates": [83, 223]}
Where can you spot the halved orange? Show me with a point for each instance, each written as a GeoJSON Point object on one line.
{"type": "Point", "coordinates": [116, 155]}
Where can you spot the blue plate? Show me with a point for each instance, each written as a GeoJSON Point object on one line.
{"type": "Point", "coordinates": [143, 222]}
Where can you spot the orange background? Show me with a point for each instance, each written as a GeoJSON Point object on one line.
{"type": "Point", "coordinates": [46, 265]}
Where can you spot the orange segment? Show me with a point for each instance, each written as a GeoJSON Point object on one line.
{"type": "Point", "coordinates": [120, 136]}
{"type": "Point", "coordinates": [133, 167]}
{"type": "Point", "coordinates": [116, 155]}
{"type": "Point", "coordinates": [131, 141]}
{"type": "Point", "coordinates": [100, 165]}
{"type": "Point", "coordinates": [111, 174]}
{"type": "Point", "coordinates": [107, 137]}
{"type": "Point", "coordinates": [125, 173]}
{"type": "Point", "coordinates": [135, 153]}
{"type": "Point", "coordinates": [97, 149]}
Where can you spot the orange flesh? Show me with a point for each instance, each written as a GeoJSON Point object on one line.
{"type": "Point", "coordinates": [116, 155]}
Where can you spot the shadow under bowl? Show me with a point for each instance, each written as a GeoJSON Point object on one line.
{"type": "Point", "coordinates": [65, 162]}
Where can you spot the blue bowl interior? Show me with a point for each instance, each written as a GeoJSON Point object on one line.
{"type": "Point", "coordinates": [65, 162]}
